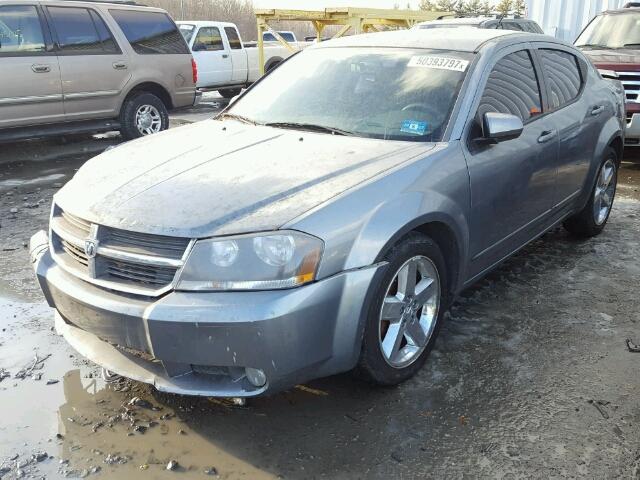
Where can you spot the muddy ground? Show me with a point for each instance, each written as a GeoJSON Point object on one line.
{"type": "Point", "coordinates": [531, 375]}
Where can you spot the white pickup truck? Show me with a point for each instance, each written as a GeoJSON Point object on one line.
{"type": "Point", "coordinates": [224, 62]}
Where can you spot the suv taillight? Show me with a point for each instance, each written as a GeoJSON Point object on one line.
{"type": "Point", "coordinates": [194, 71]}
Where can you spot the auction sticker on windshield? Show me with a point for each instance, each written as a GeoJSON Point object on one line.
{"type": "Point", "coordinates": [441, 63]}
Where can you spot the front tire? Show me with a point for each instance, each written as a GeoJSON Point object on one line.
{"type": "Point", "coordinates": [591, 220]}
{"type": "Point", "coordinates": [405, 312]}
{"type": "Point", "coordinates": [143, 114]}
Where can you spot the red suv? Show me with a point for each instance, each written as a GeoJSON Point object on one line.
{"type": "Point", "coordinates": [612, 42]}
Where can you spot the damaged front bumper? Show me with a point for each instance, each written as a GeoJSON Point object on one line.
{"type": "Point", "coordinates": [209, 343]}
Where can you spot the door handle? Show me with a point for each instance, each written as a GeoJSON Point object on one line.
{"type": "Point", "coordinates": [597, 110]}
{"type": "Point", "coordinates": [120, 66]}
{"type": "Point", "coordinates": [225, 55]}
{"type": "Point", "coordinates": [546, 136]}
{"type": "Point", "coordinates": [41, 68]}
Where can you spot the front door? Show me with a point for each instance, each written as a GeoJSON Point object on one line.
{"type": "Point", "coordinates": [212, 57]}
{"type": "Point", "coordinates": [30, 91]}
{"type": "Point", "coordinates": [93, 68]}
{"type": "Point", "coordinates": [512, 182]}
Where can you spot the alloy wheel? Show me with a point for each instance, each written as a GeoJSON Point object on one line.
{"type": "Point", "coordinates": [409, 312]}
{"type": "Point", "coordinates": [148, 120]}
{"type": "Point", "coordinates": [604, 192]}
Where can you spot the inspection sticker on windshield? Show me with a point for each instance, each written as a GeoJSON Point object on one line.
{"type": "Point", "coordinates": [414, 127]}
{"type": "Point", "coordinates": [441, 63]}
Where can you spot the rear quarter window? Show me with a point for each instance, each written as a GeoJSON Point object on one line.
{"type": "Point", "coordinates": [150, 33]}
{"type": "Point", "coordinates": [562, 75]}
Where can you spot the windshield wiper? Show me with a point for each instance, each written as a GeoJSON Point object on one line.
{"type": "Point", "coordinates": [240, 118]}
{"type": "Point", "coordinates": [631, 45]}
{"type": "Point", "coordinates": [310, 127]}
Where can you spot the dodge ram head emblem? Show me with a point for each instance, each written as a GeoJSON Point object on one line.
{"type": "Point", "coordinates": [90, 248]}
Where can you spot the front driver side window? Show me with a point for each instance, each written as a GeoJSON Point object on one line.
{"type": "Point", "coordinates": [512, 88]}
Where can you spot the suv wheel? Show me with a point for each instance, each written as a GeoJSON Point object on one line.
{"type": "Point", "coordinates": [591, 220]}
{"type": "Point", "coordinates": [405, 312]}
{"type": "Point", "coordinates": [143, 114]}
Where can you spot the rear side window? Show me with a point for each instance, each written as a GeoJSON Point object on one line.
{"type": "Point", "coordinates": [234, 38]}
{"type": "Point", "coordinates": [562, 76]}
{"type": "Point", "coordinates": [20, 30]}
{"type": "Point", "coordinates": [208, 39]}
{"type": "Point", "coordinates": [80, 31]}
{"type": "Point", "coordinates": [512, 88]}
{"type": "Point", "coordinates": [270, 37]}
{"type": "Point", "coordinates": [150, 33]}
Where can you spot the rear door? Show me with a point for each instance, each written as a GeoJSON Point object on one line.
{"type": "Point", "coordinates": [512, 182]}
{"type": "Point", "coordinates": [577, 119]}
{"type": "Point", "coordinates": [93, 68]}
{"type": "Point", "coordinates": [30, 89]}
{"type": "Point", "coordinates": [238, 56]}
{"type": "Point", "coordinates": [212, 56]}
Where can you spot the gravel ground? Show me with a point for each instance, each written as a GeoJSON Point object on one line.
{"type": "Point", "coordinates": [531, 376]}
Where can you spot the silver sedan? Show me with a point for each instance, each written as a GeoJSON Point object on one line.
{"type": "Point", "coordinates": [327, 219]}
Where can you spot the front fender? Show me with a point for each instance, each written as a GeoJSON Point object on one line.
{"type": "Point", "coordinates": [393, 220]}
{"type": "Point", "coordinates": [359, 226]}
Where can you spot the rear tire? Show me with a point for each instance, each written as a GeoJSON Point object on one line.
{"type": "Point", "coordinates": [230, 93]}
{"type": "Point", "coordinates": [387, 357]}
{"type": "Point", "coordinates": [143, 114]}
{"type": "Point", "coordinates": [591, 220]}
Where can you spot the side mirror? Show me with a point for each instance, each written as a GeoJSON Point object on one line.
{"type": "Point", "coordinates": [498, 127]}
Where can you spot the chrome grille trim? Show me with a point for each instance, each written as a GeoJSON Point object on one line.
{"type": "Point", "coordinates": [138, 268]}
{"type": "Point", "coordinates": [631, 83]}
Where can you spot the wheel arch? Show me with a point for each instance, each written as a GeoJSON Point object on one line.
{"type": "Point", "coordinates": [445, 234]}
{"type": "Point", "coordinates": [618, 146]}
{"type": "Point", "coordinates": [150, 87]}
{"type": "Point", "coordinates": [272, 63]}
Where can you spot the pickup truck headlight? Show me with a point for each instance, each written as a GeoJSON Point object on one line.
{"type": "Point", "coordinates": [264, 261]}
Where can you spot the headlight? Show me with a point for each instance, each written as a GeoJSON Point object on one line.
{"type": "Point", "coordinates": [262, 261]}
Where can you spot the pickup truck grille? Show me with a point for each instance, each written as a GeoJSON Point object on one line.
{"type": "Point", "coordinates": [631, 83]}
{"type": "Point", "coordinates": [120, 260]}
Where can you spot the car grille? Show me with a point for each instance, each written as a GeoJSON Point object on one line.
{"type": "Point", "coordinates": [631, 83]}
{"type": "Point", "coordinates": [132, 262]}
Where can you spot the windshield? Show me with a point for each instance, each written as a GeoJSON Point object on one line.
{"type": "Point", "coordinates": [612, 31]}
{"type": "Point", "coordinates": [187, 31]}
{"type": "Point", "coordinates": [391, 93]}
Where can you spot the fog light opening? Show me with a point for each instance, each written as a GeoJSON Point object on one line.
{"type": "Point", "coordinates": [256, 377]}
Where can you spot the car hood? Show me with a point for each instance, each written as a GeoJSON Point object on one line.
{"type": "Point", "coordinates": [615, 59]}
{"type": "Point", "coordinates": [218, 178]}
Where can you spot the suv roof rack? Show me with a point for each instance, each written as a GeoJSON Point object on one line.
{"type": "Point", "coordinates": [120, 2]}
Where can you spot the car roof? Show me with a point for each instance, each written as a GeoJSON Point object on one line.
{"type": "Point", "coordinates": [455, 21]}
{"type": "Point", "coordinates": [89, 3]}
{"type": "Point", "coordinates": [205, 23]}
{"type": "Point", "coordinates": [459, 39]}
{"type": "Point", "coordinates": [472, 20]}
{"type": "Point", "coordinates": [622, 10]}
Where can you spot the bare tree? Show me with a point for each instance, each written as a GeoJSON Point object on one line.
{"type": "Point", "coordinates": [472, 7]}
{"type": "Point", "coordinates": [519, 7]}
{"type": "Point", "coordinates": [427, 5]}
{"type": "Point", "coordinates": [504, 7]}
